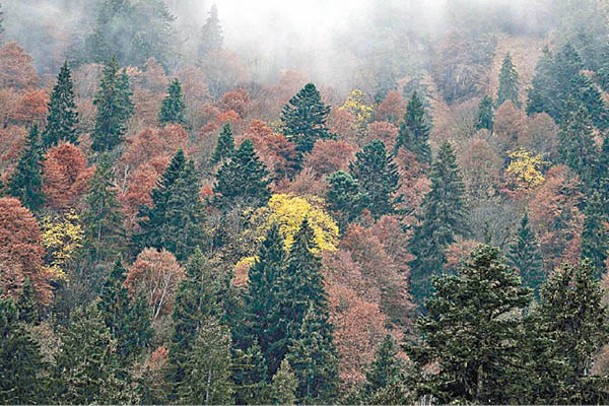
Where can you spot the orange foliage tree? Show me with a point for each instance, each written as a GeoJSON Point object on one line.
{"type": "Point", "coordinates": [16, 69]}
{"type": "Point", "coordinates": [392, 108]}
{"type": "Point", "coordinates": [329, 156]}
{"type": "Point", "coordinates": [65, 176]}
{"type": "Point", "coordinates": [32, 107]}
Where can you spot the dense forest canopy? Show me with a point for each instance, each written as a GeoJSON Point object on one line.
{"type": "Point", "coordinates": [270, 202]}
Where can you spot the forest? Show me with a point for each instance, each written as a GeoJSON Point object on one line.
{"type": "Point", "coordinates": [284, 202]}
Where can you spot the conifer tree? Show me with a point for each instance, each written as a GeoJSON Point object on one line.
{"type": "Point", "coordinates": [524, 255]}
{"type": "Point", "coordinates": [27, 305]}
{"type": "Point", "coordinates": [250, 376]}
{"type": "Point", "coordinates": [509, 84]}
{"type": "Point", "coordinates": [485, 118]}
{"type": "Point", "coordinates": [378, 176]}
{"type": "Point", "coordinates": [21, 365]}
{"type": "Point", "coordinates": [386, 369]}
{"type": "Point", "coordinates": [114, 108]}
{"type": "Point", "coordinates": [26, 182]}
{"type": "Point", "coordinates": [225, 148]}
{"type": "Point", "coordinates": [603, 175]}
{"type": "Point", "coordinates": [211, 35]}
{"type": "Point", "coordinates": [304, 119]}
{"type": "Point", "coordinates": [542, 95]}
{"type": "Point", "coordinates": [473, 332]}
{"type": "Point", "coordinates": [1, 25]}
{"type": "Point", "coordinates": [284, 385]}
{"type": "Point", "coordinates": [414, 131]}
{"type": "Point", "coordinates": [344, 196]}
{"type": "Point", "coordinates": [173, 107]}
{"type": "Point", "coordinates": [242, 180]}
{"type": "Point", "coordinates": [443, 219]}
{"type": "Point", "coordinates": [595, 236]}
{"type": "Point", "coordinates": [62, 120]}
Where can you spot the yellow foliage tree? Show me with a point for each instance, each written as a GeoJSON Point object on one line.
{"type": "Point", "coordinates": [355, 105]}
{"type": "Point", "coordinates": [525, 169]}
{"type": "Point", "coordinates": [62, 239]}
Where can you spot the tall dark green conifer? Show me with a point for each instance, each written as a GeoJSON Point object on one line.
{"type": "Point", "coordinates": [443, 218]}
{"type": "Point", "coordinates": [173, 107]}
{"type": "Point", "coordinates": [414, 131]}
{"type": "Point", "coordinates": [509, 84]}
{"type": "Point", "coordinates": [62, 120]}
{"type": "Point", "coordinates": [211, 35]}
{"type": "Point", "coordinates": [26, 182]}
{"type": "Point", "coordinates": [542, 95]}
{"type": "Point", "coordinates": [250, 376]}
{"type": "Point", "coordinates": [225, 148]}
{"type": "Point", "coordinates": [386, 370]}
{"type": "Point", "coordinates": [27, 305]}
{"type": "Point", "coordinates": [485, 118]}
{"type": "Point", "coordinates": [524, 255]}
{"type": "Point", "coordinates": [595, 236]}
{"type": "Point", "coordinates": [304, 119]}
{"type": "Point", "coordinates": [344, 197]}
{"type": "Point", "coordinates": [284, 385]}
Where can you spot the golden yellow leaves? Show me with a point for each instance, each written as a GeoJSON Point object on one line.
{"type": "Point", "coordinates": [524, 170]}
{"type": "Point", "coordinates": [62, 239]}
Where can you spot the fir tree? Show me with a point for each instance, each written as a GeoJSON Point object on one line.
{"type": "Point", "coordinates": [114, 108]}
{"type": "Point", "coordinates": [62, 120]}
{"type": "Point", "coordinates": [542, 96]}
{"type": "Point", "coordinates": [243, 180]}
{"type": "Point", "coordinates": [524, 255]}
{"type": "Point", "coordinates": [284, 385]}
{"type": "Point", "coordinates": [485, 118]}
{"type": "Point", "coordinates": [225, 148]}
{"type": "Point", "coordinates": [472, 330]}
{"type": "Point", "coordinates": [344, 197]}
{"type": "Point", "coordinates": [443, 219]}
{"type": "Point", "coordinates": [386, 369]}
{"type": "Point", "coordinates": [595, 237]}
{"type": "Point", "coordinates": [211, 35]}
{"type": "Point", "coordinates": [378, 176]}
{"type": "Point", "coordinates": [304, 119]}
{"type": "Point", "coordinates": [21, 365]}
{"type": "Point", "coordinates": [173, 107]}
{"type": "Point", "coordinates": [250, 376]}
{"type": "Point", "coordinates": [27, 304]}
{"type": "Point", "coordinates": [509, 84]}
{"type": "Point", "coordinates": [26, 182]}
{"type": "Point", "coordinates": [414, 131]}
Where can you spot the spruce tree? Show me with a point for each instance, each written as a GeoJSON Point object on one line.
{"type": "Point", "coordinates": [595, 237]}
{"type": "Point", "coordinates": [443, 219]}
{"type": "Point", "coordinates": [249, 376]}
{"type": "Point", "coordinates": [225, 148]}
{"type": "Point", "coordinates": [284, 385]}
{"type": "Point", "coordinates": [414, 131]}
{"type": "Point", "coordinates": [344, 197]}
{"type": "Point", "coordinates": [114, 108]}
{"type": "Point", "coordinates": [304, 119]}
{"type": "Point", "coordinates": [22, 369]}
{"type": "Point", "coordinates": [509, 84]}
{"type": "Point", "coordinates": [486, 114]}
{"type": "Point", "coordinates": [542, 95]}
{"type": "Point", "coordinates": [27, 304]}
{"type": "Point", "coordinates": [378, 176]}
{"type": "Point", "coordinates": [242, 180]}
{"type": "Point", "coordinates": [173, 107]}
{"type": "Point", "coordinates": [62, 120]}
{"type": "Point", "coordinates": [26, 182]}
{"type": "Point", "coordinates": [473, 332]}
{"type": "Point", "coordinates": [524, 255]}
{"type": "Point", "coordinates": [211, 35]}
{"type": "Point", "coordinates": [387, 368]}
{"type": "Point", "coordinates": [603, 175]}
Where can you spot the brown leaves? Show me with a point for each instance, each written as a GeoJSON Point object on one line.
{"type": "Point", "coordinates": [66, 176]}
{"type": "Point", "coordinates": [16, 69]}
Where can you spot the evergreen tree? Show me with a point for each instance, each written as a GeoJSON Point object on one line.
{"type": "Point", "coordinates": [1, 25]}
{"type": "Point", "coordinates": [304, 119]}
{"type": "Point", "coordinates": [62, 120]}
{"type": "Point", "coordinates": [473, 331]}
{"type": "Point", "coordinates": [603, 175]}
{"type": "Point", "coordinates": [378, 176]}
{"type": "Point", "coordinates": [225, 148]}
{"type": "Point", "coordinates": [284, 385]}
{"type": "Point", "coordinates": [207, 378]}
{"type": "Point", "coordinates": [26, 182]}
{"type": "Point", "coordinates": [443, 218]}
{"type": "Point", "coordinates": [27, 304]}
{"type": "Point", "coordinates": [314, 359]}
{"type": "Point", "coordinates": [21, 365]}
{"type": "Point", "coordinates": [486, 114]}
{"type": "Point", "coordinates": [414, 131]}
{"type": "Point", "coordinates": [344, 197]}
{"type": "Point", "coordinates": [595, 237]}
{"type": "Point", "coordinates": [524, 255]}
{"type": "Point", "coordinates": [386, 369]}
{"type": "Point", "coordinates": [211, 35]}
{"type": "Point", "coordinates": [114, 108]}
{"type": "Point", "coordinates": [104, 231]}
{"type": "Point", "coordinates": [542, 95]}
{"type": "Point", "coordinates": [173, 107]}
{"type": "Point", "coordinates": [509, 84]}
{"type": "Point", "coordinates": [242, 180]}
{"type": "Point", "coordinates": [250, 376]}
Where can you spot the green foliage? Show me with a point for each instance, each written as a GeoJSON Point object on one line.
{"type": "Point", "coordinates": [344, 196]}
{"type": "Point", "coordinates": [284, 385]}
{"type": "Point", "coordinates": [173, 107]}
{"type": "Point", "coordinates": [595, 236]}
{"type": "Point", "coordinates": [27, 305]}
{"type": "Point", "coordinates": [509, 84]}
{"type": "Point", "coordinates": [250, 376]}
{"type": "Point", "coordinates": [486, 114]}
{"type": "Point", "coordinates": [26, 182]}
{"type": "Point", "coordinates": [414, 131]}
{"type": "Point", "coordinates": [225, 148]}
{"type": "Point", "coordinates": [62, 120]}
{"type": "Point", "coordinates": [387, 368]}
{"type": "Point", "coordinates": [524, 255]}
{"type": "Point", "coordinates": [211, 36]}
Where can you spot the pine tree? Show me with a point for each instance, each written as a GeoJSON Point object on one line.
{"type": "Point", "coordinates": [443, 219]}
{"type": "Point", "coordinates": [62, 120]}
{"type": "Point", "coordinates": [509, 84]}
{"type": "Point", "coordinates": [387, 368]}
{"type": "Point", "coordinates": [486, 117]}
{"type": "Point", "coordinates": [314, 359]}
{"type": "Point", "coordinates": [284, 385]}
{"type": "Point", "coordinates": [595, 237]}
{"type": "Point", "coordinates": [524, 255]}
{"type": "Point", "coordinates": [173, 107]}
{"type": "Point", "coordinates": [542, 96]}
{"type": "Point", "coordinates": [250, 376]}
{"type": "Point", "coordinates": [27, 305]}
{"type": "Point", "coordinates": [473, 332]}
{"type": "Point", "coordinates": [104, 231]}
{"type": "Point", "coordinates": [378, 176]}
{"type": "Point", "coordinates": [26, 182]}
{"type": "Point", "coordinates": [114, 108]}
{"type": "Point", "coordinates": [304, 119]}
{"type": "Point", "coordinates": [225, 148]}
{"type": "Point", "coordinates": [344, 197]}
{"type": "Point", "coordinates": [414, 131]}
{"type": "Point", "coordinates": [207, 379]}
{"type": "Point", "coordinates": [21, 365]}
{"type": "Point", "coordinates": [211, 35]}
{"type": "Point", "coordinates": [242, 180]}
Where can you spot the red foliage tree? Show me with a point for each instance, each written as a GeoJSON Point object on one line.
{"type": "Point", "coordinates": [384, 131]}
{"type": "Point", "coordinates": [236, 100]}
{"type": "Point", "coordinates": [151, 144]}
{"type": "Point", "coordinates": [392, 108]}
{"type": "Point", "coordinates": [329, 156]}
{"type": "Point", "coordinates": [32, 107]}
{"type": "Point", "coordinates": [16, 69]}
{"type": "Point", "coordinates": [137, 191]}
